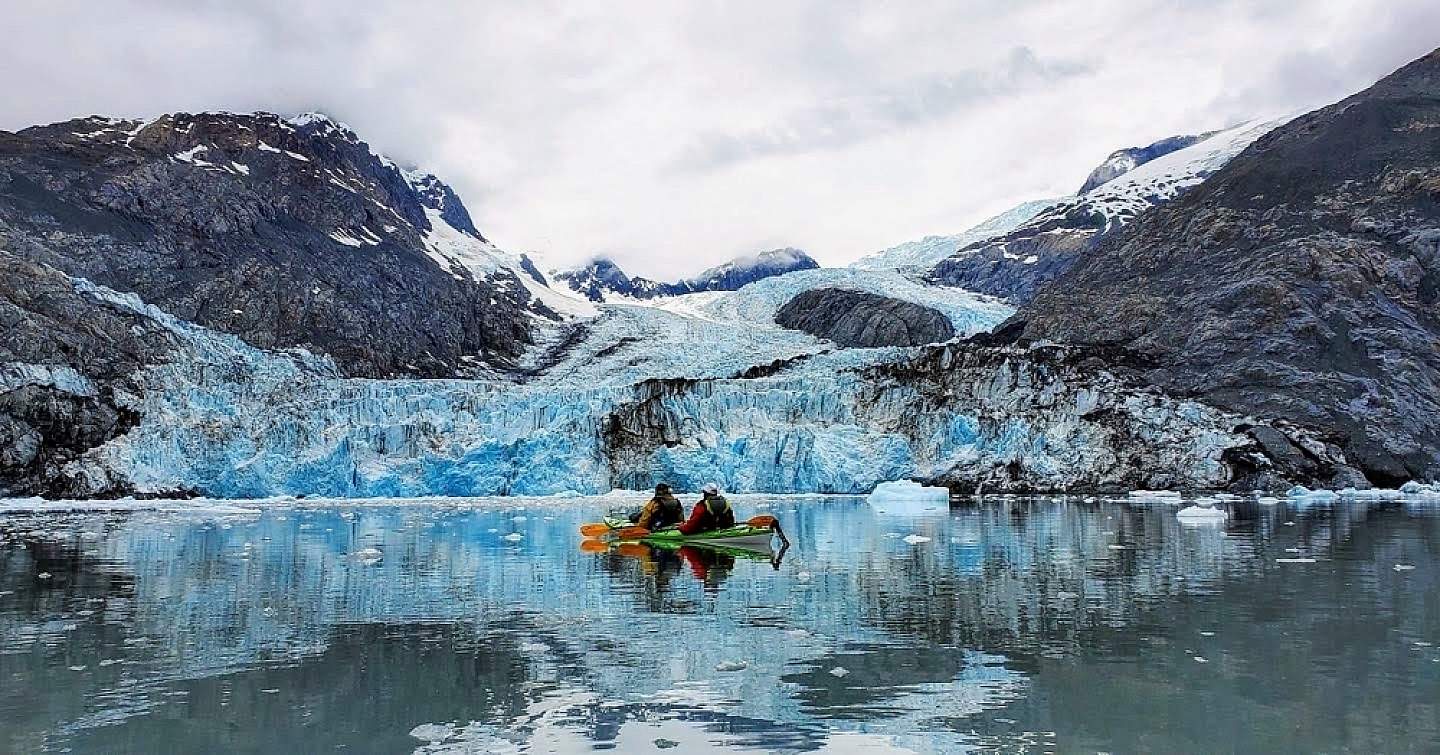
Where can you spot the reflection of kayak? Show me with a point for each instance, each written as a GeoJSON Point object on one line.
{"type": "Point", "coordinates": [741, 536]}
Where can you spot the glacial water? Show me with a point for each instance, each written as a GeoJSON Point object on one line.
{"type": "Point", "coordinates": [1012, 624]}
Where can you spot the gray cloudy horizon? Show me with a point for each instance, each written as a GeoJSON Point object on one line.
{"type": "Point", "coordinates": [673, 136]}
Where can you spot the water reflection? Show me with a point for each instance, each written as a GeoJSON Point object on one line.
{"type": "Point", "coordinates": [480, 625]}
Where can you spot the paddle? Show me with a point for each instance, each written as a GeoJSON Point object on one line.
{"type": "Point", "coordinates": [633, 550]}
{"type": "Point", "coordinates": [761, 520]}
{"type": "Point", "coordinates": [594, 528]}
{"type": "Point", "coordinates": [631, 533]}
{"type": "Point", "coordinates": [594, 546]}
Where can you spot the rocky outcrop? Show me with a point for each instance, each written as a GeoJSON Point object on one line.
{"type": "Point", "coordinates": [1299, 282]}
{"type": "Point", "coordinates": [602, 278]}
{"type": "Point", "coordinates": [65, 361]}
{"type": "Point", "coordinates": [1016, 264]}
{"type": "Point", "coordinates": [859, 319]}
{"type": "Point", "coordinates": [288, 233]}
{"type": "Point", "coordinates": [973, 416]}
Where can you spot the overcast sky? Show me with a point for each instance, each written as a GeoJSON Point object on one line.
{"type": "Point", "coordinates": [675, 134]}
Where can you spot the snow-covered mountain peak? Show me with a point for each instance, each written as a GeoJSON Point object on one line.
{"type": "Point", "coordinates": [601, 279]}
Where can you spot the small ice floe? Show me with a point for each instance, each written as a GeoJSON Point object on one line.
{"type": "Point", "coordinates": [1199, 659]}
{"type": "Point", "coordinates": [1289, 524]}
{"type": "Point", "coordinates": [1294, 560]}
{"type": "Point", "coordinates": [1203, 511]}
{"type": "Point", "coordinates": [514, 537]}
{"type": "Point", "coordinates": [839, 672]}
{"type": "Point", "coordinates": [1267, 500]}
{"type": "Point", "coordinates": [1292, 550]}
{"type": "Point", "coordinates": [804, 576]}
{"type": "Point", "coordinates": [270, 691]}
{"type": "Point", "coordinates": [431, 732]}
{"type": "Point", "coordinates": [1403, 567]}
{"type": "Point", "coordinates": [368, 555]}
{"type": "Point", "coordinates": [78, 668]}
{"type": "Point", "coordinates": [798, 632]}
{"type": "Point", "coordinates": [1207, 634]}
{"type": "Point", "coordinates": [1300, 491]}
{"type": "Point", "coordinates": [727, 666]}
{"type": "Point", "coordinates": [111, 661]}
{"type": "Point", "coordinates": [1162, 496]}
{"type": "Point", "coordinates": [1118, 547]}
{"type": "Point", "coordinates": [518, 519]}
{"type": "Point", "coordinates": [916, 539]}
{"type": "Point", "coordinates": [904, 496]}
{"type": "Point", "coordinates": [43, 575]}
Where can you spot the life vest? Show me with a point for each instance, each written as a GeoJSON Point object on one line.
{"type": "Point", "coordinates": [721, 515]}
{"type": "Point", "coordinates": [669, 511]}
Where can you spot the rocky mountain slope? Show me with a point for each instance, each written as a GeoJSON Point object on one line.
{"type": "Point", "coordinates": [288, 233]}
{"type": "Point", "coordinates": [602, 279]}
{"type": "Point", "coordinates": [1015, 264]}
{"type": "Point", "coordinates": [1301, 281]}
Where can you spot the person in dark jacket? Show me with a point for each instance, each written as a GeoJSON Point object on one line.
{"type": "Point", "coordinates": [661, 511]}
{"type": "Point", "coordinates": [713, 512]}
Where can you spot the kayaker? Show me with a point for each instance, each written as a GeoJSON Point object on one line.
{"type": "Point", "coordinates": [664, 510]}
{"type": "Point", "coordinates": [713, 512]}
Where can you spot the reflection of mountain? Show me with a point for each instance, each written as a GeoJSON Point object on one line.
{"type": "Point", "coordinates": [1006, 607]}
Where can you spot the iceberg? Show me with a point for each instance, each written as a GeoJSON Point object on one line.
{"type": "Point", "coordinates": [908, 494]}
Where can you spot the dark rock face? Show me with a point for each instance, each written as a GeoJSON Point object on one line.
{"type": "Point", "coordinates": [283, 232]}
{"type": "Point", "coordinates": [603, 276]}
{"type": "Point", "coordinates": [1122, 161]}
{"type": "Point", "coordinates": [859, 319]}
{"type": "Point", "coordinates": [1301, 281]}
{"type": "Point", "coordinates": [64, 357]}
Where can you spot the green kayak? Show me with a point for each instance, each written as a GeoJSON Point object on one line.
{"type": "Point", "coordinates": [740, 536]}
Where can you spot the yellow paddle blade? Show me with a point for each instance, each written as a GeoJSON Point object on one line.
{"type": "Point", "coordinates": [762, 520]}
{"type": "Point", "coordinates": [634, 550]}
{"type": "Point", "coordinates": [594, 546]}
{"type": "Point", "coordinates": [632, 533]}
{"type": "Point", "coordinates": [594, 528]}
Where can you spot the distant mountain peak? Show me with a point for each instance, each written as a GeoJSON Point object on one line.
{"type": "Point", "coordinates": [602, 278]}
{"type": "Point", "coordinates": [1122, 161]}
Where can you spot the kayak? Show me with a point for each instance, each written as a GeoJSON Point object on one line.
{"type": "Point", "coordinates": [740, 536]}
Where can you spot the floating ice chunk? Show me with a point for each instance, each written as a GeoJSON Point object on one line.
{"type": "Point", "coordinates": [1203, 511]}
{"type": "Point", "coordinates": [77, 668]}
{"type": "Point", "coordinates": [1294, 560]}
{"type": "Point", "coordinates": [726, 666]}
{"type": "Point", "coordinates": [1300, 491]}
{"type": "Point", "coordinates": [43, 575]}
{"type": "Point", "coordinates": [514, 537]}
{"type": "Point", "coordinates": [519, 518]}
{"type": "Point", "coordinates": [368, 555]}
{"type": "Point", "coordinates": [916, 539]}
{"type": "Point", "coordinates": [839, 672]}
{"type": "Point", "coordinates": [431, 732]}
{"type": "Point", "coordinates": [270, 691]}
{"type": "Point", "coordinates": [1198, 659]}
{"type": "Point", "coordinates": [1155, 495]}
{"type": "Point", "coordinates": [1404, 567]}
{"type": "Point", "coordinates": [904, 494]}
{"type": "Point", "coordinates": [1267, 500]}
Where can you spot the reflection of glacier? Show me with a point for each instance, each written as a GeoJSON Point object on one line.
{"type": "Point", "coordinates": [925, 633]}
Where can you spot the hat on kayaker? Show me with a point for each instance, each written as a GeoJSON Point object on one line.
{"type": "Point", "coordinates": [711, 489]}
{"type": "Point", "coordinates": [663, 487]}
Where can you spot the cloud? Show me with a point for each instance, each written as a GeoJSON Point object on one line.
{"type": "Point", "coordinates": [673, 136]}
{"type": "Point", "coordinates": [843, 122]}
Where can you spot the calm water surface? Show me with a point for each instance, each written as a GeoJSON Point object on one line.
{"type": "Point", "coordinates": [1019, 625]}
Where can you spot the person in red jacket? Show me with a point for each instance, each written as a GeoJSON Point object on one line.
{"type": "Point", "coordinates": [713, 512]}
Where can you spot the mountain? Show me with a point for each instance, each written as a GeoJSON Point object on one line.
{"type": "Point", "coordinates": [1300, 281]}
{"type": "Point", "coordinates": [602, 277]}
{"type": "Point", "coordinates": [1122, 161]}
{"type": "Point", "coordinates": [926, 253]}
{"type": "Point", "coordinates": [286, 232]}
{"type": "Point", "coordinates": [1014, 264]}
